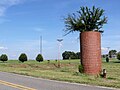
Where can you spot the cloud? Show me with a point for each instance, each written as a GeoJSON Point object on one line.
{"type": "Point", "coordinates": [38, 29]}
{"type": "Point", "coordinates": [104, 49]}
{"type": "Point", "coordinates": [3, 48]}
{"type": "Point", "coordinates": [5, 4]}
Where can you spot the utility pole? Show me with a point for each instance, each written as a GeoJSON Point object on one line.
{"type": "Point", "coordinates": [41, 45]}
{"type": "Point", "coordinates": [108, 51]}
{"type": "Point", "coordinates": [59, 53]}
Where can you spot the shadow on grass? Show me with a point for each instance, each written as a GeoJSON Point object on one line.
{"type": "Point", "coordinates": [116, 62]}
{"type": "Point", "coordinates": [3, 62]}
{"type": "Point", "coordinates": [55, 65]}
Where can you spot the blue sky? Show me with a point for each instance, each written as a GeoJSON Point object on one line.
{"type": "Point", "coordinates": [22, 22]}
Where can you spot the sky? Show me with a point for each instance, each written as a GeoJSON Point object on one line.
{"type": "Point", "coordinates": [22, 22]}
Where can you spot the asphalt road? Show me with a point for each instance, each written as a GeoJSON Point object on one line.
{"type": "Point", "coordinates": [9, 81]}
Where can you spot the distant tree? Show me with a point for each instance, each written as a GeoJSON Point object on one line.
{"type": "Point", "coordinates": [107, 59]}
{"type": "Point", "coordinates": [69, 55]}
{"type": "Point", "coordinates": [78, 55]}
{"type": "Point", "coordinates": [112, 53]}
{"type": "Point", "coordinates": [73, 55]}
{"type": "Point", "coordinates": [23, 57]}
{"type": "Point", "coordinates": [3, 57]}
{"type": "Point", "coordinates": [118, 55]}
{"type": "Point", "coordinates": [39, 58]}
{"type": "Point", "coordinates": [66, 55]}
{"type": "Point", "coordinates": [104, 55]}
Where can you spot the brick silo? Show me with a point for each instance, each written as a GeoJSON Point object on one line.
{"type": "Point", "coordinates": [90, 45]}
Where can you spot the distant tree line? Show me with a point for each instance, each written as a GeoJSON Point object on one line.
{"type": "Point", "coordinates": [22, 58]}
{"type": "Point", "coordinates": [70, 55]}
{"type": "Point", "coordinates": [112, 54]}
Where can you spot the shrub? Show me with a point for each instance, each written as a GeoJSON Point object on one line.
{"type": "Point", "coordinates": [118, 56]}
{"type": "Point", "coordinates": [56, 60]}
{"type": "Point", "coordinates": [80, 68]}
{"type": "Point", "coordinates": [39, 58]}
{"type": "Point", "coordinates": [107, 59]}
{"type": "Point", "coordinates": [48, 61]}
{"type": "Point", "coordinates": [3, 57]}
{"type": "Point", "coordinates": [23, 57]}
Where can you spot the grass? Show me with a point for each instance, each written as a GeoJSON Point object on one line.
{"type": "Point", "coordinates": [68, 71]}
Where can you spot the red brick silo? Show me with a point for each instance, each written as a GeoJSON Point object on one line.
{"type": "Point", "coordinates": [90, 45]}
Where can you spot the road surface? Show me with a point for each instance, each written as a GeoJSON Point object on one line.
{"type": "Point", "coordinates": [9, 81]}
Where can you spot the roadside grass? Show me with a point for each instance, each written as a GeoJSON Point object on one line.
{"type": "Point", "coordinates": [68, 71]}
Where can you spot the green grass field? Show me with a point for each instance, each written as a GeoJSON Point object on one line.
{"type": "Point", "coordinates": [68, 71]}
